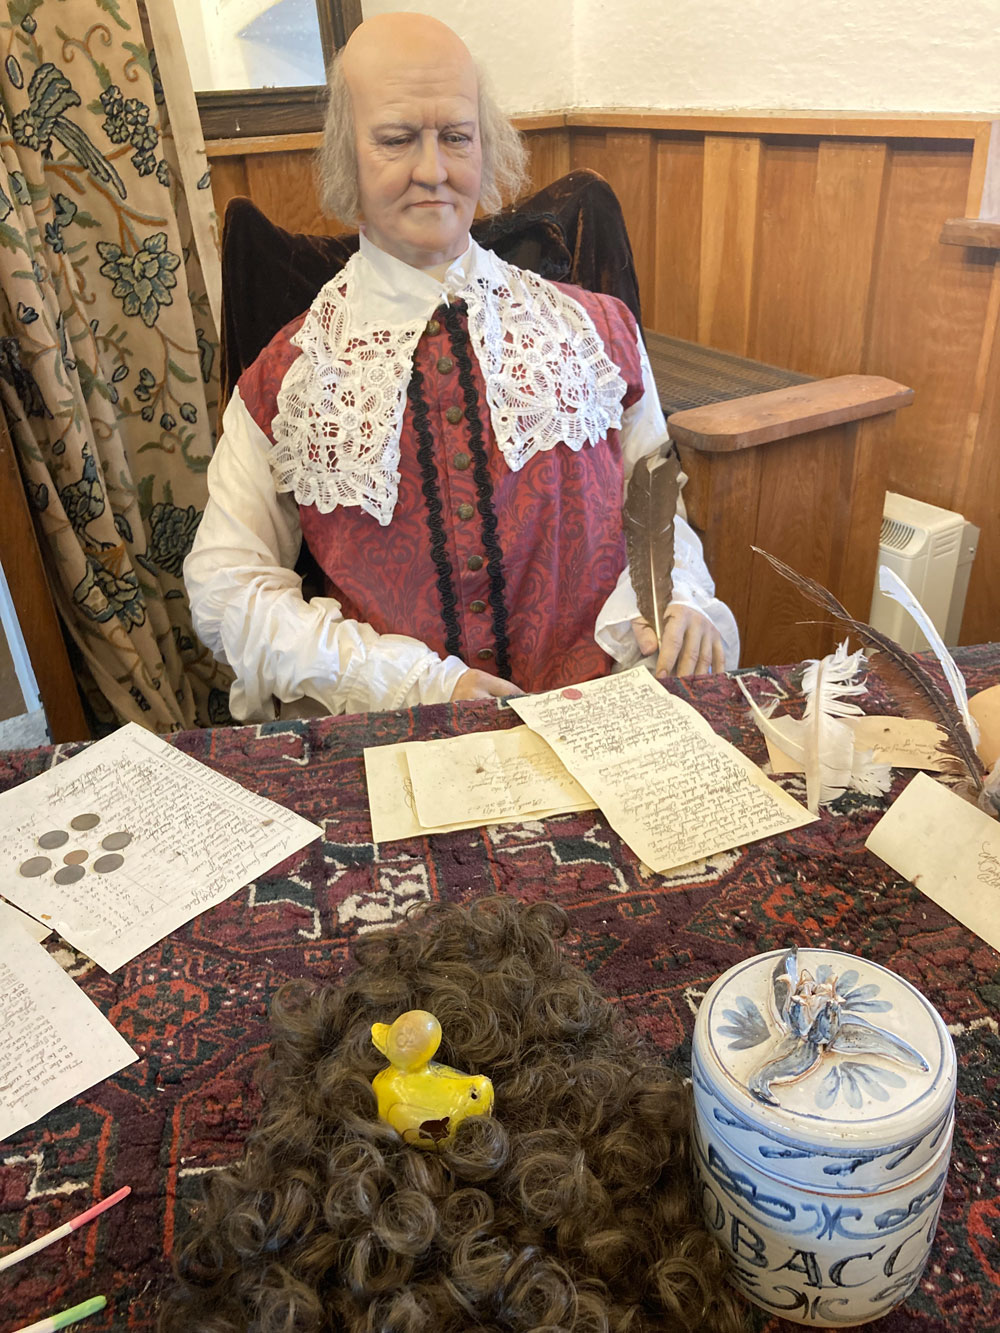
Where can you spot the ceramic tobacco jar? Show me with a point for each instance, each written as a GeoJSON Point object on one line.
{"type": "Point", "coordinates": [824, 1105]}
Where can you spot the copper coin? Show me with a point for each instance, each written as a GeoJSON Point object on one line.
{"type": "Point", "coordinates": [76, 858]}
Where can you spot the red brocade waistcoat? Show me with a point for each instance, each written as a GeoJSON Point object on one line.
{"type": "Point", "coordinates": [506, 570]}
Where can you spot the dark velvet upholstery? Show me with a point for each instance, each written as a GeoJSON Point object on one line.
{"type": "Point", "coordinates": [571, 231]}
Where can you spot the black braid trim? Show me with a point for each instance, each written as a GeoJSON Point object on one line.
{"type": "Point", "coordinates": [459, 336]}
{"type": "Point", "coordinates": [435, 526]}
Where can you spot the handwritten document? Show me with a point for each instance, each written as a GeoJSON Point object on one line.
{"type": "Point", "coordinates": [493, 777]}
{"type": "Point", "coordinates": [949, 849]}
{"type": "Point", "coordinates": [149, 838]}
{"type": "Point", "coordinates": [54, 1043]}
{"type": "Point", "coordinates": [671, 787]}
{"type": "Point", "coordinates": [489, 775]}
{"type": "Point", "coordinates": [902, 742]}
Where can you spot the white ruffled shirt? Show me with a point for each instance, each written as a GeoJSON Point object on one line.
{"type": "Point", "coordinates": [246, 599]}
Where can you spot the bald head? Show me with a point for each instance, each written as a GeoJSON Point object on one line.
{"type": "Point", "coordinates": [389, 46]}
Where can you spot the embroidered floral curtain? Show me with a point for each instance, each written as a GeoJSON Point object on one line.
{"type": "Point", "coordinates": [108, 350]}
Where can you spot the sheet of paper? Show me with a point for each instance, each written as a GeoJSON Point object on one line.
{"type": "Point", "coordinates": [393, 805]}
{"type": "Point", "coordinates": [671, 787]}
{"type": "Point", "coordinates": [490, 775]}
{"type": "Point", "coordinates": [903, 742]}
{"type": "Point", "coordinates": [985, 708]}
{"type": "Point", "coordinates": [54, 1043]}
{"type": "Point", "coordinates": [13, 917]}
{"type": "Point", "coordinates": [948, 849]}
{"type": "Point", "coordinates": [130, 838]}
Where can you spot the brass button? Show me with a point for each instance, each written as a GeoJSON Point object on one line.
{"type": "Point", "coordinates": [433, 327]}
{"type": "Point", "coordinates": [475, 562]}
{"type": "Point", "coordinates": [445, 365]}
{"type": "Point", "coordinates": [454, 414]}
{"type": "Point", "coordinates": [465, 511]}
{"type": "Point", "coordinates": [477, 606]}
{"type": "Point", "coordinates": [461, 461]}
{"type": "Point", "coordinates": [485, 654]}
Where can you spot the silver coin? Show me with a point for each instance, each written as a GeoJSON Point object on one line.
{"type": "Point", "coordinates": [55, 838]}
{"type": "Point", "coordinates": [69, 874]}
{"type": "Point", "coordinates": [114, 842]}
{"type": "Point", "coordinates": [35, 865]}
{"type": "Point", "coordinates": [104, 864]}
{"type": "Point", "coordinates": [82, 822]}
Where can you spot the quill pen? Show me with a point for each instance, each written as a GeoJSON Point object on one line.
{"type": "Point", "coordinates": [829, 742]}
{"type": "Point", "coordinates": [891, 585]}
{"type": "Point", "coordinates": [918, 693]}
{"type": "Point", "coordinates": [822, 742]}
{"type": "Point", "coordinates": [648, 518]}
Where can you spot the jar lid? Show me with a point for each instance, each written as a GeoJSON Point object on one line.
{"type": "Point", "coordinates": [823, 1069]}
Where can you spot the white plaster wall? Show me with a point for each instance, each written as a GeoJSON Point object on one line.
{"type": "Point", "coordinates": [833, 55]}
{"type": "Point", "coordinates": [836, 55]}
{"type": "Point", "coordinates": [843, 55]}
{"type": "Point", "coordinates": [525, 46]}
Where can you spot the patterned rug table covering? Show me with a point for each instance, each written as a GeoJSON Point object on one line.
{"type": "Point", "coordinates": [195, 1006]}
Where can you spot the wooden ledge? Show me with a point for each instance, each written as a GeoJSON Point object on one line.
{"type": "Point", "coordinates": [743, 423]}
{"type": "Point", "coordinates": [982, 233]}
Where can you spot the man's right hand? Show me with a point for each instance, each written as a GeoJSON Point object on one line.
{"type": "Point", "coordinates": [481, 685]}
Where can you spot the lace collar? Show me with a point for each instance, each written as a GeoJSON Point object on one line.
{"type": "Point", "coordinates": [340, 412]}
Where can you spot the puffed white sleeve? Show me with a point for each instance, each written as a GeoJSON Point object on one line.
{"type": "Point", "coordinates": [643, 431]}
{"type": "Point", "coordinates": [248, 608]}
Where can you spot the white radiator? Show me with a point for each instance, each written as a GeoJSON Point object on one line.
{"type": "Point", "coordinates": [931, 550]}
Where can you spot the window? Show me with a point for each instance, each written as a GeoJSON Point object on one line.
{"type": "Point", "coordinates": [258, 66]}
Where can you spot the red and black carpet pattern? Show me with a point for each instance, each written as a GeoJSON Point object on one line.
{"type": "Point", "coordinates": [194, 1007]}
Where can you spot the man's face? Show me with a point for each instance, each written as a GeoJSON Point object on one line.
{"type": "Point", "coordinates": [420, 159]}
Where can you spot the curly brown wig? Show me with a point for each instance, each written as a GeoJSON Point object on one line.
{"type": "Point", "coordinates": [571, 1209]}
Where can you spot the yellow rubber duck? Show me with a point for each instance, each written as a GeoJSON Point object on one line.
{"type": "Point", "coordinates": [424, 1102]}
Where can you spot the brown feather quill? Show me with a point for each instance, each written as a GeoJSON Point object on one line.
{"type": "Point", "coordinates": [918, 693]}
{"type": "Point", "coordinates": [648, 516]}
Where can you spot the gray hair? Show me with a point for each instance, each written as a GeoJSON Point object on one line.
{"type": "Point", "coordinates": [504, 155]}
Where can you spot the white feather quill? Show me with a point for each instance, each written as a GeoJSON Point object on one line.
{"type": "Point", "coordinates": [829, 741]}
{"type": "Point", "coordinates": [786, 743]}
{"type": "Point", "coordinates": [893, 586]}
{"type": "Point", "coordinates": [869, 778]}
{"type": "Point", "coordinates": [821, 741]}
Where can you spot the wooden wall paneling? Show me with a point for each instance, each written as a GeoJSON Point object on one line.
{"type": "Point", "coordinates": [979, 499]}
{"type": "Point", "coordinates": [729, 218]}
{"type": "Point", "coordinates": [680, 167]}
{"type": "Point", "coordinates": [929, 307]}
{"type": "Point", "coordinates": [229, 178]}
{"type": "Point", "coordinates": [983, 197]}
{"type": "Point", "coordinates": [820, 207]}
{"type": "Point", "coordinates": [283, 186]}
{"type": "Point", "coordinates": [626, 159]}
{"type": "Point", "coordinates": [971, 439]}
{"type": "Point", "coordinates": [548, 156]}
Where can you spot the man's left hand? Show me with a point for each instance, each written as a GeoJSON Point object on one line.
{"type": "Point", "coordinates": [690, 644]}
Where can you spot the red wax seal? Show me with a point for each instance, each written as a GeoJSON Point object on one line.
{"type": "Point", "coordinates": [572, 694]}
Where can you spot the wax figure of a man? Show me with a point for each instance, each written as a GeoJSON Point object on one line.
{"type": "Point", "coordinates": [450, 434]}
